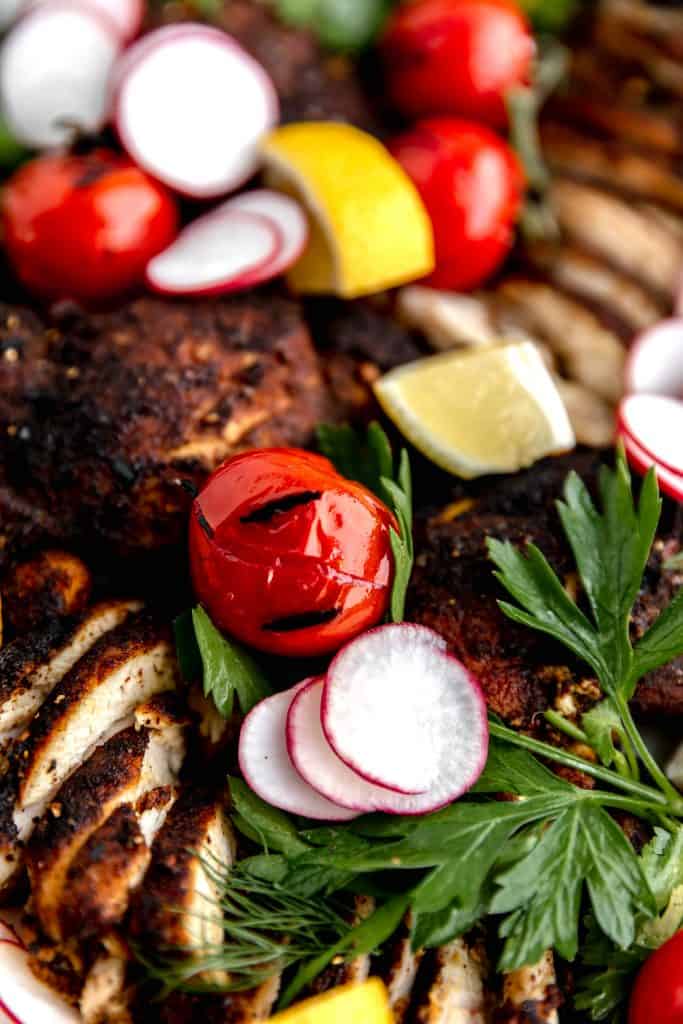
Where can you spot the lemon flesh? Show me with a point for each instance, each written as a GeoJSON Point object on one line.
{"type": "Point", "coordinates": [351, 1004]}
{"type": "Point", "coordinates": [492, 410]}
{"type": "Point", "coordinates": [369, 227]}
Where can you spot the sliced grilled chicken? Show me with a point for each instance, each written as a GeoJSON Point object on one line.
{"type": "Point", "coordinates": [133, 763]}
{"type": "Point", "coordinates": [177, 904]}
{"type": "Point", "coordinates": [124, 668]}
{"type": "Point", "coordinates": [587, 352]}
{"type": "Point", "coordinates": [591, 417]}
{"type": "Point", "coordinates": [618, 297]}
{"type": "Point", "coordinates": [104, 999]}
{"type": "Point", "coordinates": [398, 967]}
{"type": "Point", "coordinates": [446, 318]}
{"type": "Point", "coordinates": [620, 234]}
{"type": "Point", "coordinates": [644, 176]}
{"type": "Point", "coordinates": [644, 45]}
{"type": "Point", "coordinates": [346, 972]}
{"type": "Point", "coordinates": [32, 666]}
{"type": "Point", "coordinates": [531, 995]}
{"type": "Point", "coordinates": [453, 980]}
{"type": "Point", "coordinates": [52, 584]}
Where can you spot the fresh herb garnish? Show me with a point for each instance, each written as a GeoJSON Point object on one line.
{"type": "Point", "coordinates": [370, 461]}
{"type": "Point", "coordinates": [227, 670]}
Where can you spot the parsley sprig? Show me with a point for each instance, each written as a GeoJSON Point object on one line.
{"type": "Point", "coordinates": [370, 461]}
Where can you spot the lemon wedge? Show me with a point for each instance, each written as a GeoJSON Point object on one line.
{"type": "Point", "coordinates": [351, 1004]}
{"type": "Point", "coordinates": [492, 410]}
{"type": "Point", "coordinates": [369, 230]}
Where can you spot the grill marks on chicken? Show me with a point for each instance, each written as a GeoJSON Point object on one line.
{"type": "Point", "coordinates": [52, 585]}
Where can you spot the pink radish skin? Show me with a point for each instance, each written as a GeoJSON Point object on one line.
{"type": "Point", "coordinates": [655, 361]}
{"type": "Point", "coordinates": [403, 709]}
{"type": "Point", "coordinates": [223, 251]}
{"type": "Point", "coordinates": [290, 219]}
{"type": "Point", "coordinates": [267, 769]}
{"type": "Point", "coordinates": [670, 483]}
{"type": "Point", "coordinates": [222, 100]}
{"type": "Point", "coordinates": [24, 999]}
{"type": "Point", "coordinates": [54, 73]}
{"type": "Point", "coordinates": [133, 53]}
{"type": "Point", "coordinates": [655, 423]}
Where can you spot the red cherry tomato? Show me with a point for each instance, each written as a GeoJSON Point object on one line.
{"type": "Point", "coordinates": [457, 57]}
{"type": "Point", "coordinates": [85, 226]}
{"type": "Point", "coordinates": [657, 996]}
{"type": "Point", "coordinates": [287, 555]}
{"type": "Point", "coordinates": [472, 185]}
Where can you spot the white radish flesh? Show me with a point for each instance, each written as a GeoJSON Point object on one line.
{"type": "Point", "coordinates": [655, 422]}
{"type": "Point", "coordinates": [655, 362]}
{"type": "Point", "coordinates": [124, 16]}
{"type": "Point", "coordinates": [267, 769]}
{"type": "Point", "coordinates": [54, 72]}
{"type": "Point", "coordinates": [402, 711]}
{"type": "Point", "coordinates": [290, 219]}
{"type": "Point", "coordinates": [670, 483]}
{"type": "Point", "coordinates": [9, 11]}
{"type": "Point", "coordinates": [219, 252]}
{"type": "Point", "coordinates": [192, 108]}
{"type": "Point", "coordinates": [23, 998]}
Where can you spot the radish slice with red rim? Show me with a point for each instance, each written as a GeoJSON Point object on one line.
{"type": "Point", "coordinates": [220, 252]}
{"type": "Point", "coordinates": [192, 108]}
{"type": "Point", "coordinates": [670, 483]}
{"type": "Point", "coordinates": [655, 422]}
{"type": "Point", "coordinates": [124, 16]}
{"type": "Point", "coordinates": [23, 998]}
{"type": "Point", "coordinates": [267, 769]}
{"type": "Point", "coordinates": [400, 709]}
{"type": "Point", "coordinates": [655, 362]}
{"type": "Point", "coordinates": [54, 74]}
{"type": "Point", "coordinates": [290, 219]}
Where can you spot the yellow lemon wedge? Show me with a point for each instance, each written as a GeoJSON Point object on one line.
{"type": "Point", "coordinates": [369, 227]}
{"type": "Point", "coordinates": [351, 1004]}
{"type": "Point", "coordinates": [491, 410]}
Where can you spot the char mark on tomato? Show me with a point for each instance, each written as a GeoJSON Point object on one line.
{"type": "Point", "coordinates": [205, 524]}
{"type": "Point", "coordinates": [304, 620]}
{"type": "Point", "coordinates": [264, 513]}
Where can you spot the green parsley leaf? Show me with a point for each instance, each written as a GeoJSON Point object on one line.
{"type": "Point", "coordinates": [370, 461]}
{"type": "Point", "coordinates": [228, 670]}
{"type": "Point", "coordinates": [601, 724]}
{"type": "Point", "coordinates": [662, 643]}
{"type": "Point", "coordinates": [662, 863]}
{"type": "Point", "coordinates": [602, 992]}
{"type": "Point", "coordinates": [187, 649]}
{"type": "Point", "coordinates": [510, 770]}
{"type": "Point", "coordinates": [274, 829]}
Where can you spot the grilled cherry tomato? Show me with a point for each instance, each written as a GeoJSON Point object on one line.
{"type": "Point", "coordinates": [457, 57]}
{"type": "Point", "coordinates": [85, 226]}
{"type": "Point", "coordinates": [287, 555]}
{"type": "Point", "coordinates": [472, 185]}
{"type": "Point", "coordinates": [658, 992]}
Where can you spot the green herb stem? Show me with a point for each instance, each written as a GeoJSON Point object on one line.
{"type": "Point", "coordinates": [563, 724]}
{"type": "Point", "coordinates": [647, 794]}
{"type": "Point", "coordinates": [655, 772]}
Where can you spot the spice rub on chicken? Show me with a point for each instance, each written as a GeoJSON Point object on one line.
{"type": "Point", "coordinates": [103, 417]}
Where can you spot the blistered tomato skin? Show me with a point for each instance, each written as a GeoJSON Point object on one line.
{"type": "Point", "coordinates": [287, 555]}
{"type": "Point", "coordinates": [84, 227]}
{"type": "Point", "coordinates": [457, 57]}
{"type": "Point", "coordinates": [472, 185]}
{"type": "Point", "coordinates": [658, 991]}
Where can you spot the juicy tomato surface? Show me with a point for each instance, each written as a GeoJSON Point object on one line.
{"type": "Point", "coordinates": [85, 226]}
{"type": "Point", "coordinates": [472, 185]}
{"type": "Point", "coordinates": [457, 57]}
{"type": "Point", "coordinates": [657, 996]}
{"type": "Point", "coordinates": [289, 556]}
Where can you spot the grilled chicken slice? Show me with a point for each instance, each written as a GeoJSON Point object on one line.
{"type": "Point", "coordinates": [133, 763]}
{"type": "Point", "coordinates": [453, 980]}
{"type": "Point", "coordinates": [176, 907]}
{"type": "Point", "coordinates": [397, 967]}
{"type": "Point", "coordinates": [126, 666]}
{"type": "Point", "coordinates": [586, 350]}
{"type": "Point", "coordinates": [615, 231]}
{"type": "Point", "coordinates": [346, 972]}
{"type": "Point", "coordinates": [531, 995]}
{"type": "Point", "coordinates": [33, 665]}
{"type": "Point", "coordinates": [52, 585]}
{"type": "Point", "coordinates": [104, 999]}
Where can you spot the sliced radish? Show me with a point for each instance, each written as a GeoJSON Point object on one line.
{"type": "Point", "coordinates": [290, 219]}
{"type": "Point", "coordinates": [220, 252]}
{"type": "Point", "coordinates": [124, 16]}
{"type": "Point", "coordinates": [398, 708]}
{"type": "Point", "coordinates": [670, 483]}
{"type": "Point", "coordinates": [191, 109]}
{"type": "Point", "coordinates": [24, 999]}
{"type": "Point", "coordinates": [54, 73]}
{"type": "Point", "coordinates": [655, 362]}
{"type": "Point", "coordinates": [267, 769]}
{"type": "Point", "coordinates": [655, 422]}
{"type": "Point", "coordinates": [132, 54]}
